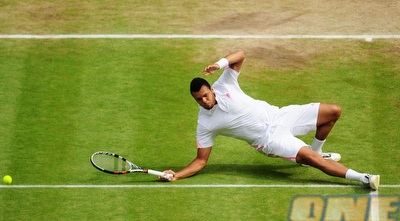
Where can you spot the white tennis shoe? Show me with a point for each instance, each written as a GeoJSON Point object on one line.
{"type": "Point", "coordinates": [371, 181]}
{"type": "Point", "coordinates": [332, 156]}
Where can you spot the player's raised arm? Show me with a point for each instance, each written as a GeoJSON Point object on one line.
{"type": "Point", "coordinates": [234, 60]}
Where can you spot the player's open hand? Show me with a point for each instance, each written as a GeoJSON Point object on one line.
{"type": "Point", "coordinates": [210, 69]}
{"type": "Point", "coordinates": [169, 176]}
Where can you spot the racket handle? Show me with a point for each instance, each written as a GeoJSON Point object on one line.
{"type": "Point", "coordinates": [158, 173]}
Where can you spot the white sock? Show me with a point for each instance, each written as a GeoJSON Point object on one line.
{"type": "Point", "coordinates": [317, 145]}
{"type": "Point", "coordinates": [354, 175]}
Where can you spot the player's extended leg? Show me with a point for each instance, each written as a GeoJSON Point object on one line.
{"type": "Point", "coordinates": [312, 158]}
{"type": "Point", "coordinates": [333, 168]}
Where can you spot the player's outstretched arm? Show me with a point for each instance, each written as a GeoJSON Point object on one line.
{"type": "Point", "coordinates": [234, 60]}
{"type": "Point", "coordinates": [194, 167]}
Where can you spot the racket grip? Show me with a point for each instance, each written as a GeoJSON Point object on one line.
{"type": "Point", "coordinates": [158, 173]}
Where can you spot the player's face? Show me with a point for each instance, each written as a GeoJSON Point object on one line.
{"type": "Point", "coordinates": [205, 97]}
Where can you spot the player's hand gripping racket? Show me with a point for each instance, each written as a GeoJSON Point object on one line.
{"type": "Point", "coordinates": [115, 164]}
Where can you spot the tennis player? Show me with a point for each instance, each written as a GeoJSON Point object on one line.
{"type": "Point", "coordinates": [226, 110]}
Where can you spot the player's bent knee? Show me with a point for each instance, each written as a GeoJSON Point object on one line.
{"type": "Point", "coordinates": [337, 111]}
{"type": "Point", "coordinates": [331, 111]}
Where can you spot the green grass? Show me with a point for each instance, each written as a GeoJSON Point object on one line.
{"type": "Point", "coordinates": [64, 99]}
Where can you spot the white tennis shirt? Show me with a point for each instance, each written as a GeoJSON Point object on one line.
{"type": "Point", "coordinates": [235, 115]}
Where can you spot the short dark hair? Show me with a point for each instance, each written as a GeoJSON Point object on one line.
{"type": "Point", "coordinates": [196, 85]}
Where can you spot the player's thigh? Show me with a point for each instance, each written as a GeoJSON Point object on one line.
{"type": "Point", "coordinates": [301, 119]}
{"type": "Point", "coordinates": [286, 146]}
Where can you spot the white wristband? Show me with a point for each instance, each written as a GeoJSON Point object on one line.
{"type": "Point", "coordinates": [222, 63]}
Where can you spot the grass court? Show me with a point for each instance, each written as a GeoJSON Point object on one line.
{"type": "Point", "coordinates": [63, 99]}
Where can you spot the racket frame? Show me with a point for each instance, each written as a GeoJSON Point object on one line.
{"type": "Point", "coordinates": [133, 168]}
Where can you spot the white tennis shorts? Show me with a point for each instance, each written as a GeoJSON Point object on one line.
{"type": "Point", "coordinates": [289, 122]}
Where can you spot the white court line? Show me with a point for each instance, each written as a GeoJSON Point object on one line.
{"type": "Point", "coordinates": [374, 206]}
{"type": "Point", "coordinates": [185, 186]}
{"type": "Point", "coordinates": [192, 36]}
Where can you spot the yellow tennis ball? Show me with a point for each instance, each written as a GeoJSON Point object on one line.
{"type": "Point", "coordinates": [7, 179]}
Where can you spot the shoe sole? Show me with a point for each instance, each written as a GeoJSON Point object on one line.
{"type": "Point", "coordinates": [374, 182]}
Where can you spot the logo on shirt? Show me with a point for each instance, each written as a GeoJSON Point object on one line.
{"type": "Point", "coordinates": [228, 95]}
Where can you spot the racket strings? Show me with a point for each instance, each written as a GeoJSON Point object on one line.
{"type": "Point", "coordinates": [111, 163]}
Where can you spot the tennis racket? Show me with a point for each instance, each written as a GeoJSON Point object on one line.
{"type": "Point", "coordinates": [115, 164]}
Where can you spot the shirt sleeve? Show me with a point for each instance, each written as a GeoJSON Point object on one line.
{"type": "Point", "coordinates": [205, 137]}
{"type": "Point", "coordinates": [229, 76]}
